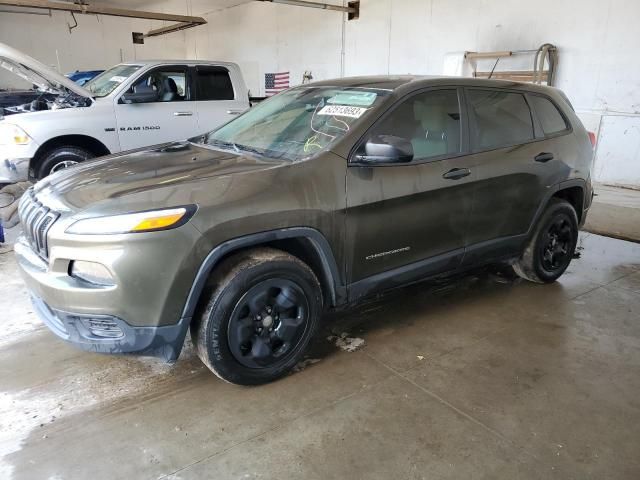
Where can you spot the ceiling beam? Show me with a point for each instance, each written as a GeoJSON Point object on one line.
{"type": "Point", "coordinates": [351, 9]}
{"type": "Point", "coordinates": [184, 21]}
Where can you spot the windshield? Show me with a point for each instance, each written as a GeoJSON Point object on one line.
{"type": "Point", "coordinates": [297, 123]}
{"type": "Point", "coordinates": [108, 81]}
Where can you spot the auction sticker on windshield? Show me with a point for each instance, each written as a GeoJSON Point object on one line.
{"type": "Point", "coordinates": [342, 111]}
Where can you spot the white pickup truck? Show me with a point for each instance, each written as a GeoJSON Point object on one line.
{"type": "Point", "coordinates": [130, 105]}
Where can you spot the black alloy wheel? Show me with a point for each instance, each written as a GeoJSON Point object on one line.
{"type": "Point", "coordinates": [556, 249]}
{"type": "Point", "coordinates": [259, 317]}
{"type": "Point", "coordinates": [550, 249]}
{"type": "Point", "coordinates": [267, 323]}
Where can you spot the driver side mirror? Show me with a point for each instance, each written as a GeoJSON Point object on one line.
{"type": "Point", "coordinates": [386, 149]}
{"type": "Point", "coordinates": [141, 94]}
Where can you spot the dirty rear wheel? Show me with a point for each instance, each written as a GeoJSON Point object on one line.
{"type": "Point", "coordinates": [552, 245]}
{"type": "Point", "coordinates": [263, 310]}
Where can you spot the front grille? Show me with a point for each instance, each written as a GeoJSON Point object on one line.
{"type": "Point", "coordinates": [36, 220]}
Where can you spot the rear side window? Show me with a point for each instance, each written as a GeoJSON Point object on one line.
{"type": "Point", "coordinates": [501, 118]}
{"type": "Point", "coordinates": [213, 83]}
{"type": "Point", "coordinates": [550, 118]}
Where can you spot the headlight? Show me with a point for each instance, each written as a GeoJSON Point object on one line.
{"type": "Point", "coordinates": [11, 134]}
{"type": "Point", "coordinates": [133, 222]}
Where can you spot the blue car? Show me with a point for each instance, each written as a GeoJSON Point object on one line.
{"type": "Point", "coordinates": [82, 77]}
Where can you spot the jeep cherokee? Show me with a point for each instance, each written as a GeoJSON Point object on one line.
{"type": "Point", "coordinates": [317, 197]}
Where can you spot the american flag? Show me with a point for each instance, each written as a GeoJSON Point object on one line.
{"type": "Point", "coordinates": [275, 83]}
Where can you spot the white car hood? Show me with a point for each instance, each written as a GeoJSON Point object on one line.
{"type": "Point", "coordinates": [35, 72]}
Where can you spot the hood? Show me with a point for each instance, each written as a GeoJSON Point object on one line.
{"type": "Point", "coordinates": [173, 168]}
{"type": "Point", "coordinates": [35, 72]}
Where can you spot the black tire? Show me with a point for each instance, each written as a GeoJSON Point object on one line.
{"type": "Point", "coordinates": [61, 157]}
{"type": "Point", "coordinates": [552, 245]}
{"type": "Point", "coordinates": [244, 334]}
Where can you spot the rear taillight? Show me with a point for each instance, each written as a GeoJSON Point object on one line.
{"type": "Point", "coordinates": [592, 138]}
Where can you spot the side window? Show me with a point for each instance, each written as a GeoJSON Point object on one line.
{"type": "Point", "coordinates": [213, 83]}
{"type": "Point", "coordinates": [170, 85]}
{"type": "Point", "coordinates": [501, 118]}
{"type": "Point", "coordinates": [550, 118]}
{"type": "Point", "coordinates": [431, 121]}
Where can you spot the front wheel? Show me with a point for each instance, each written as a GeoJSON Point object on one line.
{"type": "Point", "coordinates": [552, 245]}
{"type": "Point", "coordinates": [60, 158]}
{"type": "Point", "coordinates": [263, 311]}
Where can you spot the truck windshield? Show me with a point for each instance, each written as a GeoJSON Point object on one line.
{"type": "Point", "coordinates": [298, 122]}
{"type": "Point", "coordinates": [108, 81]}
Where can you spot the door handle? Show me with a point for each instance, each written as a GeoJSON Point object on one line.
{"type": "Point", "coordinates": [457, 173]}
{"type": "Point", "coordinates": [234, 112]}
{"type": "Point", "coordinates": [182, 114]}
{"type": "Point", "coordinates": [543, 157]}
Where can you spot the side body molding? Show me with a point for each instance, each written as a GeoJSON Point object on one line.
{"type": "Point", "coordinates": [330, 273]}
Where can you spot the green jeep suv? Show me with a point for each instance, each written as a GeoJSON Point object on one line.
{"type": "Point", "coordinates": [315, 198]}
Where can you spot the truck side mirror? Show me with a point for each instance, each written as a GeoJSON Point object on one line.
{"type": "Point", "coordinates": [386, 149]}
{"type": "Point", "coordinates": [142, 93]}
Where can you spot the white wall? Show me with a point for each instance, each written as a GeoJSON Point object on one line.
{"type": "Point", "coordinates": [598, 43]}
{"type": "Point", "coordinates": [97, 43]}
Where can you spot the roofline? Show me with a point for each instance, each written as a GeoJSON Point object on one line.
{"type": "Point", "coordinates": [400, 83]}
{"type": "Point", "coordinates": [177, 62]}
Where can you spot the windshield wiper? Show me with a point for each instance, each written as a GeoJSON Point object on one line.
{"type": "Point", "coordinates": [246, 148]}
{"type": "Point", "coordinates": [231, 145]}
{"type": "Point", "coordinates": [222, 144]}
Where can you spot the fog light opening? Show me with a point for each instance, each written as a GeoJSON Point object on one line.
{"type": "Point", "coordinates": [104, 328]}
{"type": "Point", "coordinates": [91, 272]}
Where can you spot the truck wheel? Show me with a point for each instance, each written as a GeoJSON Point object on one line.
{"type": "Point", "coordinates": [60, 158]}
{"type": "Point", "coordinates": [552, 245]}
{"type": "Point", "coordinates": [263, 311]}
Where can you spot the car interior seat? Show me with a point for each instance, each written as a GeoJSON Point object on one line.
{"type": "Point", "coordinates": [169, 90]}
{"type": "Point", "coordinates": [431, 139]}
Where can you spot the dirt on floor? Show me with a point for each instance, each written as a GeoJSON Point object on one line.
{"type": "Point", "coordinates": [481, 376]}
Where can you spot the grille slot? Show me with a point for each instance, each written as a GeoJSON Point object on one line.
{"type": "Point", "coordinates": [36, 220]}
{"type": "Point", "coordinates": [105, 328]}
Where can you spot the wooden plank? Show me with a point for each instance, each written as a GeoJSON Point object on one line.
{"type": "Point", "coordinates": [474, 55]}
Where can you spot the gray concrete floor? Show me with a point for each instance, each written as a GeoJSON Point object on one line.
{"type": "Point", "coordinates": [615, 213]}
{"type": "Point", "coordinates": [485, 377]}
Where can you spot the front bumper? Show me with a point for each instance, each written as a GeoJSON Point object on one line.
{"type": "Point", "coordinates": [14, 161]}
{"type": "Point", "coordinates": [141, 313]}
{"type": "Point", "coordinates": [108, 334]}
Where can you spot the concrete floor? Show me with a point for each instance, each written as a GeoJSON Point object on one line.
{"type": "Point", "coordinates": [615, 213]}
{"type": "Point", "coordinates": [485, 377]}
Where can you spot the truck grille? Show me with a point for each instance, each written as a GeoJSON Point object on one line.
{"type": "Point", "coordinates": [36, 220]}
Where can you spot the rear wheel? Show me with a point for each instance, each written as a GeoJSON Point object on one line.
{"type": "Point", "coordinates": [264, 309]}
{"type": "Point", "coordinates": [60, 158]}
{"type": "Point", "coordinates": [552, 245]}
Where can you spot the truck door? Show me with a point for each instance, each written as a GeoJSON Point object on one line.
{"type": "Point", "coordinates": [170, 116]}
{"type": "Point", "coordinates": [409, 220]}
{"type": "Point", "coordinates": [217, 100]}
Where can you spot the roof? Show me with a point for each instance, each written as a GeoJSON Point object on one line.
{"type": "Point", "coordinates": [411, 82]}
{"type": "Point", "coordinates": [383, 82]}
{"type": "Point", "coordinates": [178, 61]}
